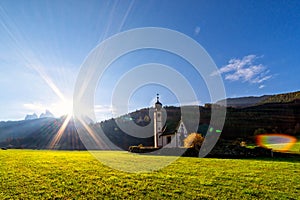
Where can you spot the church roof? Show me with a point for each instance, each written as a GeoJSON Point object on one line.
{"type": "Point", "coordinates": [157, 99]}
{"type": "Point", "coordinates": [157, 102]}
{"type": "Point", "coordinates": [170, 128]}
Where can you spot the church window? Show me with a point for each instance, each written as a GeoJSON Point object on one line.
{"type": "Point", "coordinates": [168, 139]}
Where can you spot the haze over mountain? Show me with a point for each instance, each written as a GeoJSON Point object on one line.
{"type": "Point", "coordinates": [281, 114]}
{"type": "Point", "coordinates": [251, 101]}
{"type": "Point", "coordinates": [47, 114]}
{"type": "Point", "coordinates": [38, 134]}
{"type": "Point", "coordinates": [31, 117]}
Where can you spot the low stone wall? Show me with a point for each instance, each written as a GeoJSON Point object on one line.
{"type": "Point", "coordinates": [236, 151]}
{"type": "Point", "coordinates": [219, 151]}
{"type": "Point", "coordinates": [175, 151]}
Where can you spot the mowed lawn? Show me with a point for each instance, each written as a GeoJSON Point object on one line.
{"type": "Point", "coordinates": [33, 174]}
{"type": "Point", "coordinates": [296, 147]}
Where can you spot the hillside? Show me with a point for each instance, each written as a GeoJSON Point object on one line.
{"type": "Point", "coordinates": [38, 134]}
{"type": "Point", "coordinates": [241, 122]}
{"type": "Point", "coordinates": [240, 102]}
{"type": "Point", "coordinates": [273, 117]}
{"type": "Point", "coordinates": [282, 98]}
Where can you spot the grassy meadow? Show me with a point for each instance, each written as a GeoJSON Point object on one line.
{"type": "Point", "coordinates": [296, 147]}
{"type": "Point", "coordinates": [32, 174]}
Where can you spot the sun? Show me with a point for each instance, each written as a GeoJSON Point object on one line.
{"type": "Point", "coordinates": [64, 107]}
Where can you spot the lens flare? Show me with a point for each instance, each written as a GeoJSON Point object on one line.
{"type": "Point", "coordinates": [60, 132]}
{"type": "Point", "coordinates": [277, 141]}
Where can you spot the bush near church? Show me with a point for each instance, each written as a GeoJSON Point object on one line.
{"type": "Point", "coordinates": [193, 140]}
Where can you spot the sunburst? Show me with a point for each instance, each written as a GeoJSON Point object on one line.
{"type": "Point", "coordinates": [60, 132]}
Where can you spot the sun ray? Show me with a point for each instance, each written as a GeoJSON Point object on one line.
{"type": "Point", "coordinates": [29, 57]}
{"type": "Point", "coordinates": [99, 143]}
{"type": "Point", "coordinates": [60, 132]}
{"type": "Point", "coordinates": [32, 62]}
{"type": "Point", "coordinates": [49, 82]}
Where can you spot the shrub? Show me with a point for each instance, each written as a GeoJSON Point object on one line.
{"type": "Point", "coordinates": [194, 140]}
{"type": "Point", "coordinates": [297, 129]}
{"type": "Point", "coordinates": [259, 131]}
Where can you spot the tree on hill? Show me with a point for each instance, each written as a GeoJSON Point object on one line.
{"type": "Point", "coordinates": [259, 131]}
{"type": "Point", "coordinates": [283, 98]}
{"type": "Point", "coordinates": [297, 129]}
{"type": "Point", "coordinates": [194, 140]}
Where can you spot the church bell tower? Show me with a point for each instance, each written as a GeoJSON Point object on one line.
{"type": "Point", "coordinates": [157, 122]}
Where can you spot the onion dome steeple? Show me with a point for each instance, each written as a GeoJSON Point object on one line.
{"type": "Point", "coordinates": [158, 105]}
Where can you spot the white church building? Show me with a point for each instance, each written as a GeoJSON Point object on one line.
{"type": "Point", "coordinates": [168, 135]}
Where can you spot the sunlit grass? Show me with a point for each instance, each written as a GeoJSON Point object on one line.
{"type": "Point", "coordinates": [296, 147]}
{"type": "Point", "coordinates": [26, 174]}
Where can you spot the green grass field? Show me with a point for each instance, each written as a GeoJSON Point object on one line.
{"type": "Point", "coordinates": [296, 147]}
{"type": "Point", "coordinates": [31, 174]}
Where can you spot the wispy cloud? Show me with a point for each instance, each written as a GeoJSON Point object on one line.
{"type": "Point", "coordinates": [34, 107]}
{"type": "Point", "coordinates": [245, 70]}
{"type": "Point", "coordinates": [197, 30]}
{"type": "Point", "coordinates": [57, 108]}
{"type": "Point", "coordinates": [190, 103]}
{"type": "Point", "coordinates": [103, 112]}
{"type": "Point", "coordinates": [103, 108]}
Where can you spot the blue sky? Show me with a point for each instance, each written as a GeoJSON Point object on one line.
{"type": "Point", "coordinates": [255, 45]}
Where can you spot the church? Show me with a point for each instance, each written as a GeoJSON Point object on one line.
{"type": "Point", "coordinates": [168, 135]}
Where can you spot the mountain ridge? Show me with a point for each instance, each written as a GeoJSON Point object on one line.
{"type": "Point", "coordinates": [47, 114]}
{"type": "Point", "coordinates": [258, 100]}
{"type": "Point", "coordinates": [241, 122]}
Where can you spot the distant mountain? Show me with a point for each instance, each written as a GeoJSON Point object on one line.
{"type": "Point", "coordinates": [47, 114]}
{"type": "Point", "coordinates": [273, 113]}
{"type": "Point", "coordinates": [240, 122]}
{"type": "Point", "coordinates": [282, 98]}
{"type": "Point", "coordinates": [252, 101]}
{"type": "Point", "coordinates": [31, 117]}
{"type": "Point", "coordinates": [242, 101]}
{"type": "Point", "coordinates": [38, 134]}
